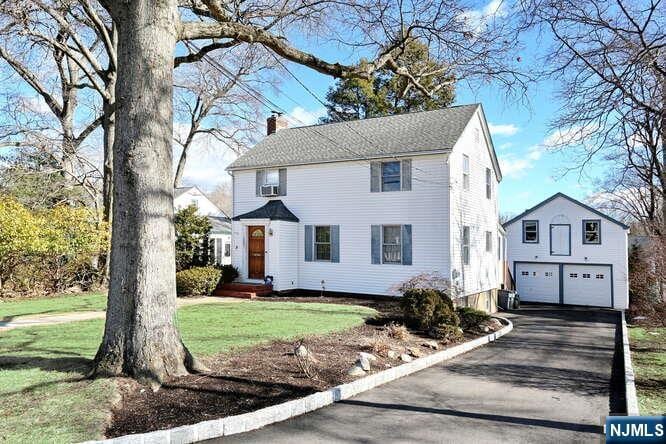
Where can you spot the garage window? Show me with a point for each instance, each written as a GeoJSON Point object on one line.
{"type": "Point", "coordinates": [600, 276]}
{"type": "Point", "coordinates": [531, 231]}
{"type": "Point", "coordinates": [586, 275]}
{"type": "Point", "coordinates": [592, 231]}
{"type": "Point", "coordinates": [573, 275]}
{"type": "Point", "coordinates": [549, 274]}
{"type": "Point", "coordinates": [524, 273]}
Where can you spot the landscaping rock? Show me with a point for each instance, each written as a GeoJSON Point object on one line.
{"type": "Point", "coordinates": [431, 344]}
{"type": "Point", "coordinates": [405, 357]}
{"type": "Point", "coordinates": [301, 351]}
{"type": "Point", "coordinates": [356, 370]}
{"type": "Point", "coordinates": [485, 328]}
{"type": "Point", "coordinates": [392, 354]}
{"type": "Point", "coordinates": [364, 363]}
{"type": "Point", "coordinates": [415, 351]}
{"type": "Point", "coordinates": [496, 323]}
{"type": "Point", "coordinates": [369, 356]}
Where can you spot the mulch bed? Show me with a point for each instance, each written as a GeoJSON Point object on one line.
{"type": "Point", "coordinates": [262, 376]}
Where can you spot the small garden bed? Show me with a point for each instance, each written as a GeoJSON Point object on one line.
{"type": "Point", "coordinates": [269, 374]}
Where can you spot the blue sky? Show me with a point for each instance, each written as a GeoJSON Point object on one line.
{"type": "Point", "coordinates": [519, 130]}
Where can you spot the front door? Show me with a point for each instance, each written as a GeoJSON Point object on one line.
{"type": "Point", "coordinates": [256, 251]}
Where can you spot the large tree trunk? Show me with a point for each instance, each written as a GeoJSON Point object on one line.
{"type": "Point", "coordinates": [140, 335]}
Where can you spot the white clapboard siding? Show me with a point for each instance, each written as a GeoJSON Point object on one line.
{"type": "Point", "coordinates": [472, 208]}
{"type": "Point", "coordinates": [339, 194]}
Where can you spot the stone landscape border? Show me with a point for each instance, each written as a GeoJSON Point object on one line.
{"type": "Point", "coordinates": [245, 422]}
{"type": "Point", "coordinates": [629, 377]}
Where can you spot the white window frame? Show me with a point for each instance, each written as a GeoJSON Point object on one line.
{"type": "Point", "coordinates": [399, 244]}
{"type": "Point", "coordinates": [267, 174]}
{"type": "Point", "coordinates": [524, 228]}
{"type": "Point", "coordinates": [381, 175]}
{"type": "Point", "coordinates": [465, 250]}
{"type": "Point", "coordinates": [466, 172]}
{"type": "Point", "coordinates": [489, 184]}
{"type": "Point", "coordinates": [329, 243]}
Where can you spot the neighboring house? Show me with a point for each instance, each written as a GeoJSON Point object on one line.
{"type": "Point", "coordinates": [362, 206]}
{"type": "Point", "coordinates": [562, 251]}
{"type": "Point", "coordinates": [220, 234]}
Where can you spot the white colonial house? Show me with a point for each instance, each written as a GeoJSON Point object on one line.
{"type": "Point", "coordinates": [359, 207]}
{"type": "Point", "coordinates": [220, 234]}
{"type": "Point", "coordinates": [562, 251]}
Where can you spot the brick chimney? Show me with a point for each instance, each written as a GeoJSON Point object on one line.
{"type": "Point", "coordinates": [275, 123]}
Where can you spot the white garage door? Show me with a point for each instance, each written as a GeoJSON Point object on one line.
{"type": "Point", "coordinates": [587, 285]}
{"type": "Point", "coordinates": [538, 282]}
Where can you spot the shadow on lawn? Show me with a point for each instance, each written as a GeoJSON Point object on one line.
{"type": "Point", "coordinates": [79, 367]}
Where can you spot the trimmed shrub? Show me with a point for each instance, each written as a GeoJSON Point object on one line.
{"type": "Point", "coordinates": [425, 308]}
{"type": "Point", "coordinates": [229, 273]}
{"type": "Point", "coordinates": [197, 281]}
{"type": "Point", "coordinates": [446, 332]}
{"type": "Point", "coordinates": [471, 318]}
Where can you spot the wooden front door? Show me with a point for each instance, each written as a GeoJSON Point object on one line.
{"type": "Point", "coordinates": [256, 251]}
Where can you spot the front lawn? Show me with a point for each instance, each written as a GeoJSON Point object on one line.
{"type": "Point", "coordinates": [10, 309]}
{"type": "Point", "coordinates": [648, 355]}
{"type": "Point", "coordinates": [46, 398]}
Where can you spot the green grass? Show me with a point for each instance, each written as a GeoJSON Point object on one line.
{"type": "Point", "coordinates": [95, 301]}
{"type": "Point", "coordinates": [45, 397]}
{"type": "Point", "coordinates": [648, 355]}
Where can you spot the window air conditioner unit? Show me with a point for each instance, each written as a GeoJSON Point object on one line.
{"type": "Point", "coordinates": [269, 190]}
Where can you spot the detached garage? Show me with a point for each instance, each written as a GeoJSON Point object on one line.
{"type": "Point", "coordinates": [562, 251]}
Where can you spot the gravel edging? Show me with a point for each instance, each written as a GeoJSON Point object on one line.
{"type": "Point", "coordinates": [245, 422]}
{"type": "Point", "coordinates": [629, 377]}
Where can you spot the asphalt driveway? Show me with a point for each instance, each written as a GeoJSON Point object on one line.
{"type": "Point", "coordinates": [550, 380]}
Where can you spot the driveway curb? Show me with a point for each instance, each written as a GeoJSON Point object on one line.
{"type": "Point", "coordinates": [629, 378]}
{"type": "Point", "coordinates": [232, 425]}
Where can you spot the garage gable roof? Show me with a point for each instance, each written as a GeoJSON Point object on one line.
{"type": "Point", "coordinates": [570, 199]}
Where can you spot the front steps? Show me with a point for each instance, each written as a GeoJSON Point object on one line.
{"type": "Point", "coordinates": [243, 290]}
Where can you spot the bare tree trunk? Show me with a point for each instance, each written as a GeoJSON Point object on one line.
{"type": "Point", "coordinates": [140, 335]}
{"type": "Point", "coordinates": [180, 168]}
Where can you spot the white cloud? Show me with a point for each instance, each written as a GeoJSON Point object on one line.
{"type": "Point", "coordinates": [505, 146]}
{"type": "Point", "coordinates": [534, 152]}
{"type": "Point", "coordinates": [515, 167]}
{"type": "Point", "coordinates": [206, 160]}
{"type": "Point", "coordinates": [300, 116]}
{"type": "Point", "coordinates": [477, 18]}
{"type": "Point", "coordinates": [503, 130]}
{"type": "Point", "coordinates": [36, 104]}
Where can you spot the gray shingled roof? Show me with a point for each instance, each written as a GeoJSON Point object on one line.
{"type": "Point", "coordinates": [411, 133]}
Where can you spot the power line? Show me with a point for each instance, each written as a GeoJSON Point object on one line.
{"type": "Point", "coordinates": [272, 106]}
{"type": "Point", "coordinates": [337, 115]}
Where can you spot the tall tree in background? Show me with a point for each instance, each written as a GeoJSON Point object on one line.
{"type": "Point", "coordinates": [212, 103]}
{"type": "Point", "coordinates": [140, 335]}
{"type": "Point", "coordinates": [387, 92]}
{"type": "Point", "coordinates": [609, 61]}
{"type": "Point", "coordinates": [65, 52]}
